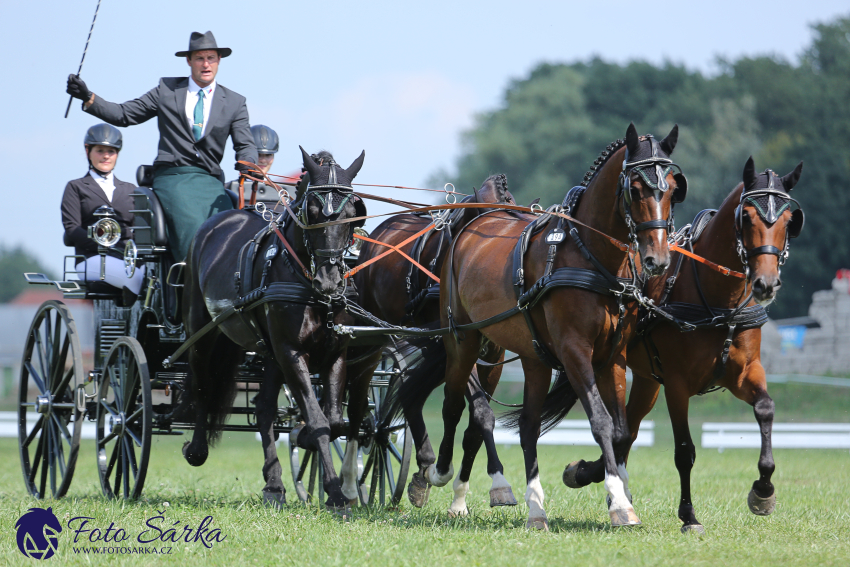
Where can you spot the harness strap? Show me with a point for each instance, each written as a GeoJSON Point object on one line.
{"type": "Point", "coordinates": [291, 251]}
{"type": "Point", "coordinates": [392, 248]}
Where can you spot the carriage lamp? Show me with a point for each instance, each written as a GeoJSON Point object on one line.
{"type": "Point", "coordinates": [106, 231]}
{"type": "Point", "coordinates": [357, 244]}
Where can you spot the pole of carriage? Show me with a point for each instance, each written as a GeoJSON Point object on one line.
{"type": "Point", "coordinates": [84, 53]}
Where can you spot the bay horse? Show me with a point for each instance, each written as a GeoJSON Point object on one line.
{"type": "Point", "coordinates": [752, 228]}
{"type": "Point", "coordinates": [291, 328]}
{"type": "Point", "coordinates": [397, 292]}
{"type": "Point", "coordinates": [582, 321]}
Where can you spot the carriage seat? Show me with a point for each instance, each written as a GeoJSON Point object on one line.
{"type": "Point", "coordinates": [148, 201]}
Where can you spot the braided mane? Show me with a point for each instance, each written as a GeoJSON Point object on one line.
{"type": "Point", "coordinates": [603, 158]}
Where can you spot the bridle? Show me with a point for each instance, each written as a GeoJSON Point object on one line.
{"type": "Point", "coordinates": [769, 203]}
{"type": "Point", "coordinates": [326, 194]}
{"type": "Point", "coordinates": [662, 167]}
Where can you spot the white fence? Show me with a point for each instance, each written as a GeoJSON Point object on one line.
{"type": "Point", "coordinates": [9, 425]}
{"type": "Point", "coordinates": [573, 432]}
{"type": "Point", "coordinates": [785, 436]}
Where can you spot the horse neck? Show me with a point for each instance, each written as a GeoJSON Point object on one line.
{"type": "Point", "coordinates": [599, 208]}
{"type": "Point", "coordinates": [718, 244]}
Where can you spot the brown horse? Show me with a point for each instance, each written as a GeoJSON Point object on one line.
{"type": "Point", "coordinates": [579, 322]}
{"type": "Point", "coordinates": [752, 227]}
{"type": "Point", "coordinates": [397, 292]}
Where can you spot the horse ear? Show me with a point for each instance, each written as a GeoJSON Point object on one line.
{"type": "Point", "coordinates": [632, 141]}
{"type": "Point", "coordinates": [668, 144]}
{"type": "Point", "coordinates": [311, 166]}
{"type": "Point", "coordinates": [355, 165]}
{"type": "Point", "coordinates": [749, 173]}
{"type": "Point", "coordinates": [790, 180]}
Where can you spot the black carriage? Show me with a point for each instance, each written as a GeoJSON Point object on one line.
{"type": "Point", "coordinates": [131, 390]}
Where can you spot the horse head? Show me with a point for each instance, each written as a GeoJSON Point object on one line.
{"type": "Point", "coordinates": [766, 219]}
{"type": "Point", "coordinates": [649, 185]}
{"type": "Point", "coordinates": [329, 197]}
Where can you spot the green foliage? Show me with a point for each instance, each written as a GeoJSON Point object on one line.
{"type": "Point", "coordinates": [552, 124]}
{"type": "Point", "coordinates": [13, 263]}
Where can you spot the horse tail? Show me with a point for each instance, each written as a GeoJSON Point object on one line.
{"type": "Point", "coordinates": [557, 404]}
{"type": "Point", "coordinates": [426, 370]}
{"type": "Point", "coordinates": [220, 387]}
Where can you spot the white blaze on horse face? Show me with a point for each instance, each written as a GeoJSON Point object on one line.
{"type": "Point", "coordinates": [616, 490]}
{"type": "Point", "coordinates": [216, 306]}
{"type": "Point", "coordinates": [349, 471]}
{"type": "Point", "coordinates": [458, 507]}
{"type": "Point", "coordinates": [534, 498]}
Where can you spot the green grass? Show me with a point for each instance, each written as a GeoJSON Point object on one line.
{"type": "Point", "coordinates": [811, 525]}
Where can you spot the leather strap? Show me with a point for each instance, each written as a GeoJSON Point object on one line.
{"type": "Point", "coordinates": [291, 252]}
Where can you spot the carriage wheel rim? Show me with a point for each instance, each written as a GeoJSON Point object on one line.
{"type": "Point", "coordinates": [123, 453]}
{"type": "Point", "coordinates": [52, 361]}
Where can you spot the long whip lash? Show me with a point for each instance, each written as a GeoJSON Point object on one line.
{"type": "Point", "coordinates": [71, 99]}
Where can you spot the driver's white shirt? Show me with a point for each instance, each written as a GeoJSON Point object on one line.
{"type": "Point", "coordinates": [192, 100]}
{"type": "Point", "coordinates": [107, 182]}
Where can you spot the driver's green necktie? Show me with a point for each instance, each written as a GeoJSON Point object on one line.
{"type": "Point", "coordinates": [198, 126]}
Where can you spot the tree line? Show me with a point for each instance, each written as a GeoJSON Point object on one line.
{"type": "Point", "coordinates": [553, 123]}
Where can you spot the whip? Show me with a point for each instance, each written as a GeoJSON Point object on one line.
{"type": "Point", "coordinates": [84, 54]}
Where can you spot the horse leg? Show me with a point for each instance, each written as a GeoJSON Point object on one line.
{"type": "Point", "coordinates": [611, 432]}
{"type": "Point", "coordinates": [418, 489]}
{"type": "Point", "coordinates": [642, 399]}
{"type": "Point", "coordinates": [266, 405]}
{"type": "Point", "coordinates": [201, 358]}
{"type": "Point", "coordinates": [753, 390]}
{"type": "Point", "coordinates": [537, 378]}
{"type": "Point", "coordinates": [461, 357]}
{"type": "Point", "coordinates": [678, 399]}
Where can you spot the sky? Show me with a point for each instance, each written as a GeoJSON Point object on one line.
{"type": "Point", "coordinates": [400, 80]}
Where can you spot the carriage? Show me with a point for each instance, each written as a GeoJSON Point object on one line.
{"type": "Point", "coordinates": [131, 389]}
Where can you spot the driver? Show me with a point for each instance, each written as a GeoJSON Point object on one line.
{"type": "Point", "coordinates": [99, 187]}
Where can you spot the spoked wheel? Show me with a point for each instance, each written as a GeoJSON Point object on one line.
{"type": "Point", "coordinates": [308, 471]}
{"type": "Point", "coordinates": [49, 424]}
{"type": "Point", "coordinates": [388, 455]}
{"type": "Point", "coordinates": [124, 420]}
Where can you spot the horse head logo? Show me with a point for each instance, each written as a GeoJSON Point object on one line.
{"type": "Point", "coordinates": [38, 533]}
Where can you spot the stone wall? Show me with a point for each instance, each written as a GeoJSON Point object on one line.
{"type": "Point", "coordinates": [826, 350]}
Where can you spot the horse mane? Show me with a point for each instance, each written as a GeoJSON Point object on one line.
{"type": "Point", "coordinates": [604, 157]}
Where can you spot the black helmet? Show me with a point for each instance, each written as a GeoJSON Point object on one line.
{"type": "Point", "coordinates": [266, 139]}
{"type": "Point", "coordinates": [104, 135]}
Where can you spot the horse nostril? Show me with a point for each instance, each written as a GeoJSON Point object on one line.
{"type": "Point", "coordinates": [649, 264]}
{"type": "Point", "coordinates": [758, 286]}
{"type": "Point", "coordinates": [778, 284]}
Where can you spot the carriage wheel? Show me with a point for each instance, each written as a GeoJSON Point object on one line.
{"type": "Point", "coordinates": [53, 366]}
{"type": "Point", "coordinates": [124, 420]}
{"type": "Point", "coordinates": [308, 471]}
{"type": "Point", "coordinates": [388, 460]}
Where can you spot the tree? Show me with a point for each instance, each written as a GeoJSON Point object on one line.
{"type": "Point", "coordinates": [13, 263]}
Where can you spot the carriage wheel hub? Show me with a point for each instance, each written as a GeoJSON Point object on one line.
{"type": "Point", "coordinates": [42, 404]}
{"type": "Point", "coordinates": [117, 424]}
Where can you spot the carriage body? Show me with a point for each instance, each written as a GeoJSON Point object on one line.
{"type": "Point", "coordinates": [132, 394]}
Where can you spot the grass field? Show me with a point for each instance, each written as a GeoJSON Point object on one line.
{"type": "Point", "coordinates": [811, 525]}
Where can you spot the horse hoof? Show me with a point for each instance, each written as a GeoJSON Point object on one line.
{"type": "Point", "coordinates": [761, 506]}
{"type": "Point", "coordinates": [608, 499]}
{"type": "Point", "coordinates": [538, 523]}
{"type": "Point", "coordinates": [194, 459]}
{"type": "Point", "coordinates": [502, 496]}
{"type": "Point", "coordinates": [276, 500]}
{"type": "Point", "coordinates": [459, 513]}
{"type": "Point", "coordinates": [693, 529]}
{"type": "Point", "coordinates": [570, 472]}
{"type": "Point", "coordinates": [621, 518]}
{"type": "Point", "coordinates": [418, 490]}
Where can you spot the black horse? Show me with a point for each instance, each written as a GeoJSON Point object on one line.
{"type": "Point", "coordinates": [301, 297]}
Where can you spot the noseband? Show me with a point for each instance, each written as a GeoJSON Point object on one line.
{"type": "Point", "coordinates": [661, 167]}
{"type": "Point", "coordinates": [769, 203]}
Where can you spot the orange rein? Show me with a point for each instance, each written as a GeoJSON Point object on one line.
{"type": "Point", "coordinates": [621, 245]}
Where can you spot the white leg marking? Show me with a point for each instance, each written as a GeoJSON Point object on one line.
{"type": "Point", "coordinates": [432, 476]}
{"type": "Point", "coordinates": [625, 476]}
{"type": "Point", "coordinates": [458, 507]}
{"type": "Point", "coordinates": [349, 471]}
{"type": "Point", "coordinates": [499, 481]}
{"type": "Point", "coordinates": [614, 486]}
{"type": "Point", "coordinates": [534, 498]}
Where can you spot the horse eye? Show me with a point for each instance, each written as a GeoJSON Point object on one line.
{"type": "Point", "coordinates": [636, 194]}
